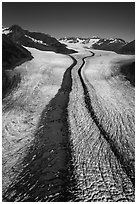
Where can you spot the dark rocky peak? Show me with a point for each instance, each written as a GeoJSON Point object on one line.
{"type": "Point", "coordinates": [16, 28]}
{"type": "Point", "coordinates": [128, 48]}
{"type": "Point", "coordinates": [16, 33]}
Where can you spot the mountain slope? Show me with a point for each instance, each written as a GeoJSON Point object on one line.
{"type": "Point", "coordinates": [36, 40]}
{"type": "Point", "coordinates": [13, 54]}
{"type": "Point", "coordinates": [129, 48]}
{"type": "Point", "coordinates": [109, 44]}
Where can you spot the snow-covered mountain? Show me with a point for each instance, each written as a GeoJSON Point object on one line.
{"type": "Point", "coordinates": [78, 40]}
{"type": "Point", "coordinates": [112, 44]}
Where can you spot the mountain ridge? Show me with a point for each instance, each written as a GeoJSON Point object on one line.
{"type": "Point", "coordinates": [36, 40]}
{"type": "Point", "coordinates": [117, 45]}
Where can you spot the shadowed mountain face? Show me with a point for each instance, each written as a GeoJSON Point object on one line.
{"type": "Point", "coordinates": [129, 48]}
{"type": "Point", "coordinates": [111, 45]}
{"type": "Point", "coordinates": [128, 71]}
{"type": "Point", "coordinates": [13, 54]}
{"type": "Point", "coordinates": [37, 40]}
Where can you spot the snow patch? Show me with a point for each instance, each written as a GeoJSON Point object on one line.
{"type": "Point", "coordinates": [100, 43]}
{"type": "Point", "coordinates": [113, 41]}
{"type": "Point", "coordinates": [93, 41]}
{"type": "Point", "coordinates": [6, 31]}
{"type": "Point", "coordinates": [37, 41]}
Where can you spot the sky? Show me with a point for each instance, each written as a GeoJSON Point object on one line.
{"type": "Point", "coordinates": [78, 19]}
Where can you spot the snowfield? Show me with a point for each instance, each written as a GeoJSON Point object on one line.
{"type": "Point", "coordinates": [103, 61]}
